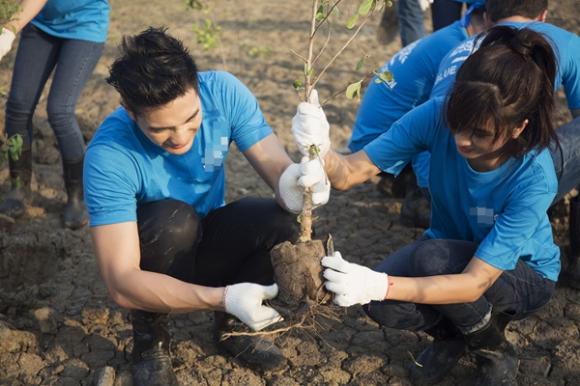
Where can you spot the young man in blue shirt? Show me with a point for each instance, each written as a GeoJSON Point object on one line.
{"type": "Point", "coordinates": [154, 179]}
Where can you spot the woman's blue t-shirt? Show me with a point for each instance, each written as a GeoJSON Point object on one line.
{"type": "Point", "coordinates": [123, 167]}
{"type": "Point", "coordinates": [504, 210]}
{"type": "Point", "coordinates": [75, 19]}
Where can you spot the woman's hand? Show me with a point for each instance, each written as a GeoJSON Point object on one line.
{"type": "Point", "coordinates": [6, 39]}
{"type": "Point", "coordinates": [352, 283]}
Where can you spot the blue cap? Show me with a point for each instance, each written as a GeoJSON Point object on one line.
{"type": "Point", "coordinates": [472, 6]}
{"type": "Point", "coordinates": [473, 3]}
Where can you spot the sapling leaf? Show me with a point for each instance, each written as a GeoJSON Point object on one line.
{"type": "Point", "coordinates": [320, 13]}
{"type": "Point", "coordinates": [365, 7]}
{"type": "Point", "coordinates": [351, 22]}
{"type": "Point", "coordinates": [298, 85]}
{"type": "Point", "coordinates": [353, 90]}
{"type": "Point", "coordinates": [360, 64]}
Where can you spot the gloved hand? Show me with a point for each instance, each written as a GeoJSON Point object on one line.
{"type": "Point", "coordinates": [244, 301]}
{"type": "Point", "coordinates": [6, 39]}
{"type": "Point", "coordinates": [352, 283]}
{"type": "Point", "coordinates": [297, 177]}
{"type": "Point", "coordinates": [425, 4]}
{"type": "Point", "coordinates": [310, 127]}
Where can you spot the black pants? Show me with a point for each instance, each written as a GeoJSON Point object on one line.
{"type": "Point", "coordinates": [516, 293]}
{"type": "Point", "coordinates": [230, 245]}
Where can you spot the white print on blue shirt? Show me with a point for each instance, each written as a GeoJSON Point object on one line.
{"type": "Point", "coordinates": [457, 57]}
{"type": "Point", "coordinates": [484, 216]}
{"type": "Point", "coordinates": [402, 55]}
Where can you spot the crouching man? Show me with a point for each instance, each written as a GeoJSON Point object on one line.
{"type": "Point", "coordinates": [154, 187]}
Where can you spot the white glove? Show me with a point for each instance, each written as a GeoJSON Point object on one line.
{"type": "Point", "coordinates": [244, 301]}
{"type": "Point", "coordinates": [352, 283]}
{"type": "Point", "coordinates": [296, 177]}
{"type": "Point", "coordinates": [6, 39]}
{"type": "Point", "coordinates": [310, 127]}
{"type": "Point", "coordinates": [424, 4]}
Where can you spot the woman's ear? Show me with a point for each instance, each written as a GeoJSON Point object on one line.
{"type": "Point", "coordinates": [520, 129]}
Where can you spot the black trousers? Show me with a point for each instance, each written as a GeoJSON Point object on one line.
{"type": "Point", "coordinates": [230, 245]}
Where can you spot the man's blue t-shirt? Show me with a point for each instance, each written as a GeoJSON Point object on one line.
{"type": "Point", "coordinates": [123, 167]}
{"type": "Point", "coordinates": [75, 19]}
{"type": "Point", "coordinates": [504, 210]}
{"type": "Point", "coordinates": [566, 47]}
{"type": "Point", "coordinates": [414, 69]}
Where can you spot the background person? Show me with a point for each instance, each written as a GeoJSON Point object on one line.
{"type": "Point", "coordinates": [64, 38]}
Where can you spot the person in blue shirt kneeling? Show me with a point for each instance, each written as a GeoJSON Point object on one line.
{"type": "Point", "coordinates": [154, 179]}
{"type": "Point", "coordinates": [488, 256]}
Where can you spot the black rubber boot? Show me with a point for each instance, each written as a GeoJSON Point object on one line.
{"type": "Point", "coordinates": [441, 356]}
{"type": "Point", "coordinates": [497, 360]}
{"type": "Point", "coordinates": [74, 214]}
{"type": "Point", "coordinates": [572, 272]}
{"type": "Point", "coordinates": [14, 203]}
{"type": "Point", "coordinates": [256, 352]}
{"type": "Point", "coordinates": [151, 360]}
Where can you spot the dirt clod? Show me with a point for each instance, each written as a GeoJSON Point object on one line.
{"type": "Point", "coordinates": [297, 271]}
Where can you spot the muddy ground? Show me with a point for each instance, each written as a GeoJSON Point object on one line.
{"type": "Point", "coordinates": [57, 324]}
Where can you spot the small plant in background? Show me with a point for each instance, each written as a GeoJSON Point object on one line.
{"type": "Point", "coordinates": [7, 10]}
{"type": "Point", "coordinates": [207, 31]}
{"type": "Point", "coordinates": [10, 147]}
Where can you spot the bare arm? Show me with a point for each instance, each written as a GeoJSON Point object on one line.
{"type": "Point", "coordinates": [118, 256]}
{"type": "Point", "coordinates": [28, 10]}
{"type": "Point", "coordinates": [465, 287]}
{"type": "Point", "coordinates": [269, 159]}
{"type": "Point", "coordinates": [346, 171]}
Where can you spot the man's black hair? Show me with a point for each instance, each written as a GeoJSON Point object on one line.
{"type": "Point", "coordinates": [153, 69]}
{"type": "Point", "coordinates": [501, 9]}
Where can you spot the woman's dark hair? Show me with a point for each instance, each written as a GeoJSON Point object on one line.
{"type": "Point", "coordinates": [152, 70]}
{"type": "Point", "coordinates": [508, 80]}
{"type": "Point", "coordinates": [501, 9]}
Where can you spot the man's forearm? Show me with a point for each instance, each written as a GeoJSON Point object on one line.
{"type": "Point", "coordinates": [155, 292]}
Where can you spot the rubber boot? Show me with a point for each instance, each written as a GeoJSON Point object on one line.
{"type": "Point", "coordinates": [438, 359]}
{"type": "Point", "coordinates": [256, 352]}
{"type": "Point", "coordinates": [14, 203]}
{"type": "Point", "coordinates": [74, 214]}
{"type": "Point", "coordinates": [572, 272]}
{"type": "Point", "coordinates": [497, 360]}
{"type": "Point", "coordinates": [151, 360]}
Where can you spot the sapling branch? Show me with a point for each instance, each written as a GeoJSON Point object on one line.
{"type": "Point", "coordinates": [345, 45]}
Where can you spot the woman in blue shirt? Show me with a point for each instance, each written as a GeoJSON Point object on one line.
{"type": "Point", "coordinates": [65, 38]}
{"type": "Point", "coordinates": [488, 256]}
